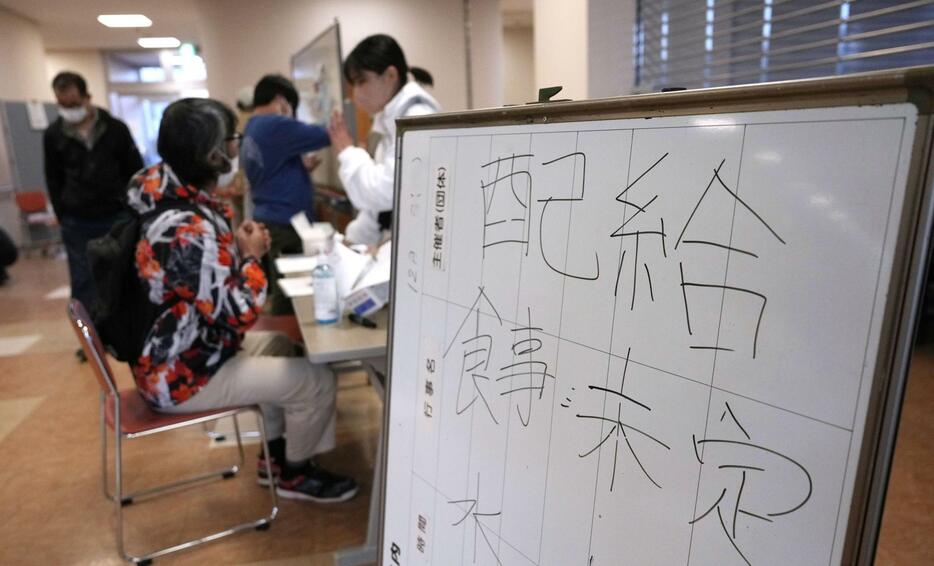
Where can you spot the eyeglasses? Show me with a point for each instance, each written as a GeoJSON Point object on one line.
{"type": "Point", "coordinates": [237, 137]}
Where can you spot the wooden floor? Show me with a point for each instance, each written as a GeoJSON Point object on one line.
{"type": "Point", "coordinates": [53, 511]}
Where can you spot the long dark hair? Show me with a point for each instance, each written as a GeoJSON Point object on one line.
{"type": "Point", "coordinates": [376, 53]}
{"type": "Point", "coordinates": [190, 131]}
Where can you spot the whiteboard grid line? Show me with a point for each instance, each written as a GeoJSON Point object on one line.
{"type": "Point", "coordinates": [557, 359]}
{"type": "Point", "coordinates": [662, 370]}
{"type": "Point", "coordinates": [609, 359]}
{"type": "Point", "coordinates": [862, 380]}
{"type": "Point", "coordinates": [716, 352]}
{"type": "Point", "coordinates": [421, 303]}
{"type": "Point", "coordinates": [687, 126]}
{"type": "Point", "coordinates": [441, 362]}
{"type": "Point", "coordinates": [512, 379]}
{"type": "Point", "coordinates": [438, 492]}
{"type": "Point", "coordinates": [473, 408]}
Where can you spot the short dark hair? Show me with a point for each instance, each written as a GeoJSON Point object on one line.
{"type": "Point", "coordinates": [376, 53]}
{"type": "Point", "coordinates": [191, 129]}
{"type": "Point", "coordinates": [66, 79]}
{"type": "Point", "coordinates": [270, 86]}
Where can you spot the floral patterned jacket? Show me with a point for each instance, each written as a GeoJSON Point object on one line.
{"type": "Point", "coordinates": [192, 261]}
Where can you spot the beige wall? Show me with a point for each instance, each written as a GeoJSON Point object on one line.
{"type": "Point", "coordinates": [609, 47]}
{"type": "Point", "coordinates": [486, 44]}
{"type": "Point", "coordinates": [519, 63]}
{"type": "Point", "coordinates": [561, 48]}
{"type": "Point", "coordinates": [244, 39]}
{"type": "Point", "coordinates": [89, 63]}
{"type": "Point", "coordinates": [22, 60]}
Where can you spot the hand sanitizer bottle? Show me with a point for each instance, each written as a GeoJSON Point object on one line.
{"type": "Point", "coordinates": [327, 306]}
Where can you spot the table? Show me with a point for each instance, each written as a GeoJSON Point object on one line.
{"type": "Point", "coordinates": [345, 341]}
{"type": "Point", "coordinates": [342, 341]}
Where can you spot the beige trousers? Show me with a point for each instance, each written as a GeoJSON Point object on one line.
{"type": "Point", "coordinates": [296, 396]}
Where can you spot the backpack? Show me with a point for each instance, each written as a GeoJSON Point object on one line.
{"type": "Point", "coordinates": [123, 313]}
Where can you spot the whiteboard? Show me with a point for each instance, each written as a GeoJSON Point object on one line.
{"type": "Point", "coordinates": [639, 341]}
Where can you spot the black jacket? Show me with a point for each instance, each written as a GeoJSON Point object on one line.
{"type": "Point", "coordinates": [89, 183]}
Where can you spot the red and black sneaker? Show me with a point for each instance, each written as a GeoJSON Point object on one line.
{"type": "Point", "coordinates": [262, 477]}
{"type": "Point", "coordinates": [314, 483]}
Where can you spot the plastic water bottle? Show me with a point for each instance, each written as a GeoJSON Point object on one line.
{"type": "Point", "coordinates": [327, 306]}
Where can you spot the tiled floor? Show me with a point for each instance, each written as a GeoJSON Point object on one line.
{"type": "Point", "coordinates": [50, 487]}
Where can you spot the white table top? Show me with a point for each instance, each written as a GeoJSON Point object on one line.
{"type": "Point", "coordinates": [342, 341]}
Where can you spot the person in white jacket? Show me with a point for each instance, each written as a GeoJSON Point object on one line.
{"type": "Point", "coordinates": [378, 73]}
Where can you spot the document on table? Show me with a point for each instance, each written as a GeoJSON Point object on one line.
{"type": "Point", "coordinates": [297, 286]}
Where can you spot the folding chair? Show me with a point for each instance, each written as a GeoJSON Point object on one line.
{"type": "Point", "coordinates": [128, 415]}
{"type": "Point", "coordinates": [39, 225]}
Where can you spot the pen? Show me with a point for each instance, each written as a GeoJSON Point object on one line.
{"type": "Point", "coordinates": [361, 320]}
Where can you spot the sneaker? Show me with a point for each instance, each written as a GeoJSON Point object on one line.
{"type": "Point", "coordinates": [314, 483]}
{"type": "Point", "coordinates": [262, 478]}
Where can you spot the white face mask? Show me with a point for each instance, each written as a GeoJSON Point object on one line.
{"type": "Point", "coordinates": [73, 115]}
{"type": "Point", "coordinates": [225, 179]}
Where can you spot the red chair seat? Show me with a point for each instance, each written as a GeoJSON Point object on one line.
{"type": "Point", "coordinates": [31, 201]}
{"type": "Point", "coordinates": [137, 416]}
{"type": "Point", "coordinates": [284, 323]}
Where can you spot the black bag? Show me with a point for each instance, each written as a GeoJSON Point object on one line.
{"type": "Point", "coordinates": [123, 313]}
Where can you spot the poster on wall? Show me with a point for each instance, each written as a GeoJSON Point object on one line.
{"type": "Point", "coordinates": [316, 71]}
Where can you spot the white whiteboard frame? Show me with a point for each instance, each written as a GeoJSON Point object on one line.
{"type": "Point", "coordinates": [912, 250]}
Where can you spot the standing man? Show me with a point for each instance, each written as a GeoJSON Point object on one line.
{"type": "Point", "coordinates": [280, 184]}
{"type": "Point", "coordinates": [90, 157]}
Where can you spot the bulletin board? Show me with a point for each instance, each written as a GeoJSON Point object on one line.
{"type": "Point", "coordinates": [317, 74]}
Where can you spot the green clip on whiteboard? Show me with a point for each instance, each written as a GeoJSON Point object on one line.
{"type": "Point", "coordinates": [661, 329]}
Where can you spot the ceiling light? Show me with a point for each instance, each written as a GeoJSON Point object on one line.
{"type": "Point", "coordinates": [159, 42]}
{"type": "Point", "coordinates": [124, 20]}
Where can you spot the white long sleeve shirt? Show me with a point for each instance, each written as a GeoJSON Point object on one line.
{"type": "Point", "coordinates": [367, 180]}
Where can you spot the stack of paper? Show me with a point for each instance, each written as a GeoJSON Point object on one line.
{"type": "Point", "coordinates": [295, 265]}
{"type": "Point", "coordinates": [361, 278]}
{"type": "Point", "coordinates": [297, 286]}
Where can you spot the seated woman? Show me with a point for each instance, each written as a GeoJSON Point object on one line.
{"type": "Point", "coordinates": [379, 74]}
{"type": "Point", "coordinates": [209, 281]}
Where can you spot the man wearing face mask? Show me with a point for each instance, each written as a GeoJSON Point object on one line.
{"type": "Point", "coordinates": [90, 157]}
{"type": "Point", "coordinates": [280, 186]}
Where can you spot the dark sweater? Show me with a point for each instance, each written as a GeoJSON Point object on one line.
{"type": "Point", "coordinates": [89, 182]}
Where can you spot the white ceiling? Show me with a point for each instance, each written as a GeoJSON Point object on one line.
{"type": "Point", "coordinates": [73, 24]}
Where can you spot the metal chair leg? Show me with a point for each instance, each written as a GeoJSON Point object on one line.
{"type": "Point", "coordinates": [120, 499]}
{"type": "Point", "coordinates": [118, 485]}
{"type": "Point", "coordinates": [104, 485]}
{"type": "Point", "coordinates": [272, 483]}
{"type": "Point", "coordinates": [236, 422]}
{"type": "Point", "coordinates": [221, 437]}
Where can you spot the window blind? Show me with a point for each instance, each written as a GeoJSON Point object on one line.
{"type": "Point", "coordinates": [695, 43]}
